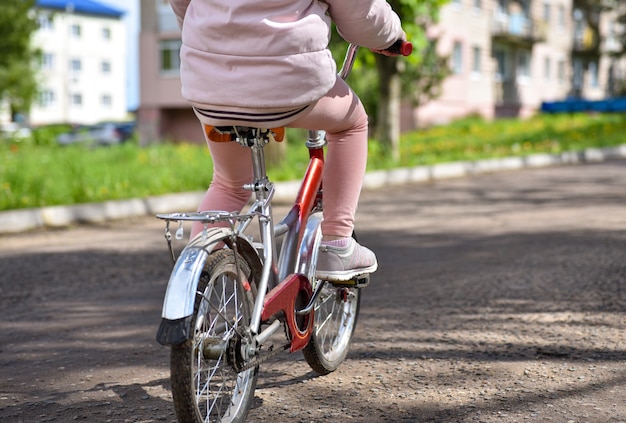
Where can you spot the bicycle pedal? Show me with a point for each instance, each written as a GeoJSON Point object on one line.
{"type": "Point", "coordinates": [360, 281]}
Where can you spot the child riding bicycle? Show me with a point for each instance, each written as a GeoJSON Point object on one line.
{"type": "Point", "coordinates": [267, 64]}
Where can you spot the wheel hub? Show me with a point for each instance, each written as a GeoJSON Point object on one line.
{"type": "Point", "coordinates": [239, 353]}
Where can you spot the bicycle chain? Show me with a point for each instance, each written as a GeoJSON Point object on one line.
{"type": "Point", "coordinates": [264, 358]}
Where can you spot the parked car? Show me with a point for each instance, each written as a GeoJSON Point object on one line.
{"type": "Point", "coordinates": [107, 133]}
{"type": "Point", "coordinates": [126, 129]}
{"type": "Point", "coordinates": [14, 131]}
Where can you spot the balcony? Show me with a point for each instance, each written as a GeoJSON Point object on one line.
{"type": "Point", "coordinates": [612, 45]}
{"type": "Point", "coordinates": [586, 42]}
{"type": "Point", "coordinates": [517, 29]}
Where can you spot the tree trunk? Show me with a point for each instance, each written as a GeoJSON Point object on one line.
{"type": "Point", "coordinates": [388, 123]}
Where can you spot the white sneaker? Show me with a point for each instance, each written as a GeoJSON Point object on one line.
{"type": "Point", "coordinates": [341, 264]}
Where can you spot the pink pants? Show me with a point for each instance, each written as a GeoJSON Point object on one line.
{"type": "Point", "coordinates": [341, 114]}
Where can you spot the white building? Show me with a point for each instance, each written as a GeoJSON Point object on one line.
{"type": "Point", "coordinates": [83, 72]}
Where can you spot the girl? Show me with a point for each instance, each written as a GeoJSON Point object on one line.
{"type": "Point", "coordinates": [267, 64]}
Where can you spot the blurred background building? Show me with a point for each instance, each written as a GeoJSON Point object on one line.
{"type": "Point", "coordinates": [509, 56]}
{"type": "Point", "coordinates": [506, 57]}
{"type": "Point", "coordinates": [84, 68]}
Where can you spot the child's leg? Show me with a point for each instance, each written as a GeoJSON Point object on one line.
{"type": "Point", "coordinates": [232, 168]}
{"type": "Point", "coordinates": [341, 114]}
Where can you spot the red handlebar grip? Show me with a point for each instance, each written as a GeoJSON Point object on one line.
{"type": "Point", "coordinates": [406, 49]}
{"type": "Point", "coordinates": [402, 47]}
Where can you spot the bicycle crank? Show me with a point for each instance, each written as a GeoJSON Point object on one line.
{"type": "Point", "coordinates": [283, 302]}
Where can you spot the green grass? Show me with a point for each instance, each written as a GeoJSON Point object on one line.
{"type": "Point", "coordinates": [35, 176]}
{"type": "Point", "coordinates": [40, 173]}
{"type": "Point", "coordinates": [474, 139]}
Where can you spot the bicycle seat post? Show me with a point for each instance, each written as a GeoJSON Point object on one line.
{"type": "Point", "coordinates": [256, 140]}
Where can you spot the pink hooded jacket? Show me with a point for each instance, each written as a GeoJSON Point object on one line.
{"type": "Point", "coordinates": [271, 54]}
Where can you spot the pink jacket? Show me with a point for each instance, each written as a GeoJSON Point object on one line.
{"type": "Point", "coordinates": [271, 54]}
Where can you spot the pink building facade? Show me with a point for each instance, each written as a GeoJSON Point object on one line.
{"type": "Point", "coordinates": [163, 113]}
{"type": "Point", "coordinates": [509, 56]}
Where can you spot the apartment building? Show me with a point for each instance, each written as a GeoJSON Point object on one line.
{"type": "Point", "coordinates": [83, 70]}
{"type": "Point", "coordinates": [163, 113]}
{"type": "Point", "coordinates": [506, 57]}
{"type": "Point", "coordinates": [509, 56]}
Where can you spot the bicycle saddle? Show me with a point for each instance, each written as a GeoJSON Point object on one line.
{"type": "Point", "coordinates": [230, 133]}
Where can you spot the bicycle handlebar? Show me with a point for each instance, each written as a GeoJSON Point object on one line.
{"type": "Point", "coordinates": [404, 48]}
{"type": "Point", "coordinates": [401, 47]}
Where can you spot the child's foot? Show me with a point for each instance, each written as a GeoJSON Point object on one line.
{"type": "Point", "coordinates": [344, 262]}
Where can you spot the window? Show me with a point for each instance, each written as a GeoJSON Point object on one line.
{"type": "Point", "coordinates": [105, 66]}
{"type": "Point", "coordinates": [106, 33]}
{"type": "Point", "coordinates": [594, 80]}
{"type": "Point", "coordinates": [561, 16]}
{"type": "Point", "coordinates": [578, 74]}
{"type": "Point", "coordinates": [502, 67]}
{"type": "Point", "coordinates": [561, 71]}
{"type": "Point", "coordinates": [166, 19]}
{"type": "Point", "coordinates": [47, 61]}
{"type": "Point", "coordinates": [46, 98]}
{"type": "Point", "coordinates": [476, 60]}
{"type": "Point", "coordinates": [457, 58]}
{"type": "Point", "coordinates": [76, 65]}
{"type": "Point", "coordinates": [579, 28]}
{"type": "Point", "coordinates": [523, 64]}
{"type": "Point", "coordinates": [75, 31]}
{"type": "Point", "coordinates": [170, 56]}
{"type": "Point", "coordinates": [501, 8]}
{"type": "Point", "coordinates": [106, 100]}
{"type": "Point", "coordinates": [45, 22]}
{"type": "Point", "coordinates": [76, 99]}
{"type": "Point", "coordinates": [547, 64]}
{"type": "Point", "coordinates": [546, 11]}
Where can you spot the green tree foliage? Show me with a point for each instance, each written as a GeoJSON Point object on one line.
{"type": "Point", "coordinates": [18, 84]}
{"type": "Point", "coordinates": [592, 11]}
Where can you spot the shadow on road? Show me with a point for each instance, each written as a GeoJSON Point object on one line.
{"type": "Point", "coordinates": [490, 300]}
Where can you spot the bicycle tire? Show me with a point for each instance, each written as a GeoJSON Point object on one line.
{"type": "Point", "coordinates": [336, 314]}
{"type": "Point", "coordinates": [209, 389]}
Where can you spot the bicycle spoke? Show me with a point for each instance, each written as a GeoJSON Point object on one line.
{"type": "Point", "coordinates": [207, 385]}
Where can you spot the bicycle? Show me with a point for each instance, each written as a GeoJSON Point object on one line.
{"type": "Point", "coordinates": [229, 293]}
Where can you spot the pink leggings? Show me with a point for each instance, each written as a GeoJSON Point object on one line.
{"type": "Point", "coordinates": [341, 114]}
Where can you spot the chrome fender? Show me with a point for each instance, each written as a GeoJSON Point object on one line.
{"type": "Point", "coordinates": [180, 295]}
{"type": "Point", "coordinates": [307, 255]}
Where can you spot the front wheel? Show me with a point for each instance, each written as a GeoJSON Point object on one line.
{"type": "Point", "coordinates": [336, 312]}
{"type": "Point", "coordinates": [206, 385]}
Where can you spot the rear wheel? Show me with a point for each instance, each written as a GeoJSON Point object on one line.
{"type": "Point", "coordinates": [206, 385]}
{"type": "Point", "coordinates": [336, 313]}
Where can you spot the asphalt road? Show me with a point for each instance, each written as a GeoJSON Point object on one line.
{"type": "Point", "coordinates": [499, 298]}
